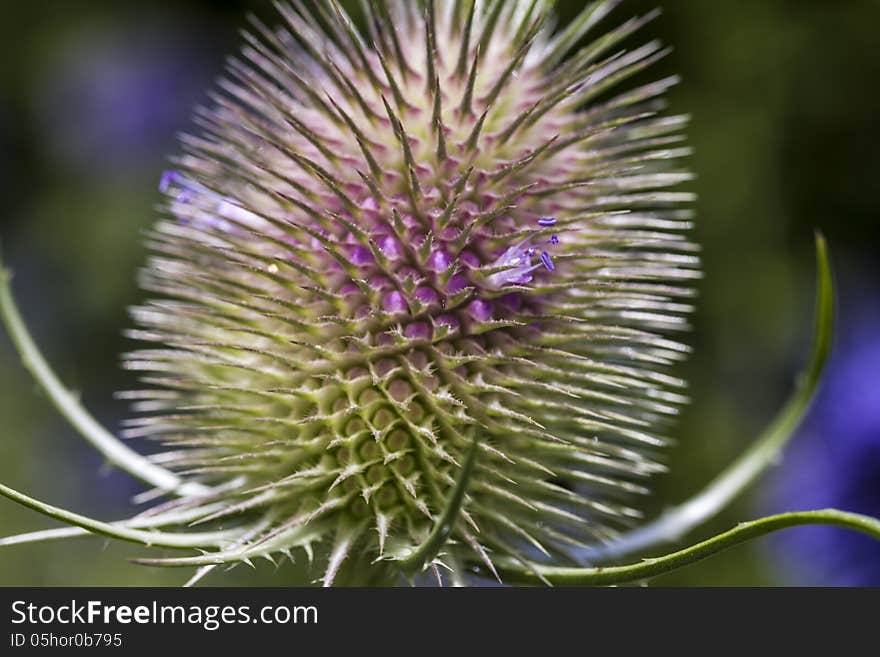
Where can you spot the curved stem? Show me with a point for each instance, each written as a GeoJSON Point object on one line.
{"type": "Point", "coordinates": [138, 522]}
{"type": "Point", "coordinates": [67, 404]}
{"type": "Point", "coordinates": [424, 554]}
{"type": "Point", "coordinates": [149, 538]}
{"type": "Point", "coordinates": [678, 521]}
{"type": "Point", "coordinates": [514, 572]}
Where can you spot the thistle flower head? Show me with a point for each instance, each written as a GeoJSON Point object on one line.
{"type": "Point", "coordinates": [415, 281]}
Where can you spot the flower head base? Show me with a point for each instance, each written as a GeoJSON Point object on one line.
{"type": "Point", "coordinates": [421, 267]}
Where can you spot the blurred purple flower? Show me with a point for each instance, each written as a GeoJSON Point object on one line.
{"type": "Point", "coordinates": [835, 462]}
{"type": "Point", "coordinates": [117, 98]}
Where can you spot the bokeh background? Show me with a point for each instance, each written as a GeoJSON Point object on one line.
{"type": "Point", "coordinates": [785, 107]}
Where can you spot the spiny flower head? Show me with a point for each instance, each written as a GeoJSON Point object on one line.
{"type": "Point", "coordinates": [415, 283]}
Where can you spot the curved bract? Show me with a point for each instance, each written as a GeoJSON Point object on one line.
{"type": "Point", "coordinates": [647, 568]}
{"type": "Point", "coordinates": [114, 450]}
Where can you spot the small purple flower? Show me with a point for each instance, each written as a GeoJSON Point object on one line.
{"type": "Point", "coordinates": [516, 263]}
{"type": "Point", "coordinates": [481, 310]}
{"type": "Point", "coordinates": [439, 261]}
{"type": "Point", "coordinates": [390, 246]}
{"type": "Point", "coordinates": [395, 302]}
{"type": "Point", "coordinates": [361, 256]}
{"type": "Point", "coordinates": [197, 205]}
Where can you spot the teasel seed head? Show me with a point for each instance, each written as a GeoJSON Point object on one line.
{"type": "Point", "coordinates": [418, 281]}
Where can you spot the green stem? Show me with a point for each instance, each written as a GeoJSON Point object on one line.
{"type": "Point", "coordinates": [149, 538]}
{"type": "Point", "coordinates": [514, 572]}
{"type": "Point", "coordinates": [69, 406]}
{"type": "Point", "coordinates": [677, 521]}
{"type": "Point", "coordinates": [424, 554]}
{"type": "Point", "coordinates": [138, 522]}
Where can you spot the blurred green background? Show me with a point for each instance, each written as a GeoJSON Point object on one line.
{"type": "Point", "coordinates": [785, 102]}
